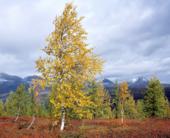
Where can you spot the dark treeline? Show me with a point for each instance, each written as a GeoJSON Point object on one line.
{"type": "Point", "coordinates": [24, 102]}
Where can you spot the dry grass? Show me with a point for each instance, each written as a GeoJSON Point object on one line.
{"type": "Point", "coordinates": [99, 128]}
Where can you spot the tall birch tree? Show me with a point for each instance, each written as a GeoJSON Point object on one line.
{"type": "Point", "coordinates": [68, 65]}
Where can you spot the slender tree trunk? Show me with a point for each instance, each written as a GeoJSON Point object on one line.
{"type": "Point", "coordinates": [62, 121]}
{"type": "Point", "coordinates": [17, 115]}
{"type": "Point", "coordinates": [32, 122]}
{"type": "Point", "coordinates": [17, 118]}
{"type": "Point", "coordinates": [122, 115]}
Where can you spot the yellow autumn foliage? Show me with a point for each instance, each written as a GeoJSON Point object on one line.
{"type": "Point", "coordinates": [69, 64]}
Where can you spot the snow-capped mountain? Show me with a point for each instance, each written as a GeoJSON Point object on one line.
{"type": "Point", "coordinates": [137, 86]}
{"type": "Point", "coordinates": [139, 82]}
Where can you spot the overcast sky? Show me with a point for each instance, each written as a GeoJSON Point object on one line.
{"type": "Point", "coordinates": [132, 36]}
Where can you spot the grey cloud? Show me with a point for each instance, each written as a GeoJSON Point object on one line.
{"type": "Point", "coordinates": [131, 36]}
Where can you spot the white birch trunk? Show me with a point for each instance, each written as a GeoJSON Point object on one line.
{"type": "Point", "coordinates": [32, 122]}
{"type": "Point", "coordinates": [16, 118]}
{"type": "Point", "coordinates": [122, 116]}
{"type": "Point", "coordinates": [17, 115]}
{"type": "Point", "coordinates": [62, 121]}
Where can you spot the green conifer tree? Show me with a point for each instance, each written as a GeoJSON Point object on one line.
{"type": "Point", "coordinates": [140, 109]}
{"type": "Point", "coordinates": [167, 106]}
{"type": "Point", "coordinates": [98, 95]}
{"type": "Point", "coordinates": [115, 101]}
{"type": "Point", "coordinates": [18, 103]}
{"type": "Point", "coordinates": [155, 101]}
{"type": "Point", "coordinates": [1, 108]}
{"type": "Point", "coordinates": [130, 108]}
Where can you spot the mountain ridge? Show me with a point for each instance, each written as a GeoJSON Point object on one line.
{"type": "Point", "coordinates": [137, 86]}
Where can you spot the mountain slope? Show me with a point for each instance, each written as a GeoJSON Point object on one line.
{"type": "Point", "coordinates": [137, 87]}
{"type": "Point", "coordinates": [10, 83]}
